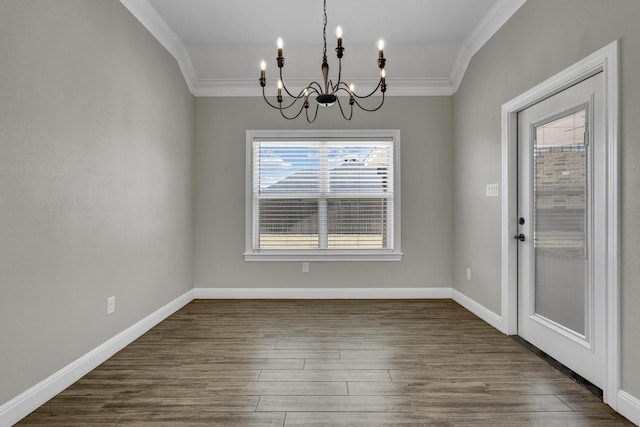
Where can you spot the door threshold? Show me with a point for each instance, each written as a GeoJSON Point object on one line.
{"type": "Point", "coordinates": [597, 391]}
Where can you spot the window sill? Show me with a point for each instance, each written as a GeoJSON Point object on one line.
{"type": "Point", "coordinates": [323, 256]}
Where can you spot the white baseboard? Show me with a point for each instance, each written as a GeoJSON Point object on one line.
{"type": "Point", "coordinates": [479, 310]}
{"type": "Point", "coordinates": [22, 405]}
{"type": "Point", "coordinates": [628, 406]}
{"type": "Point", "coordinates": [322, 293]}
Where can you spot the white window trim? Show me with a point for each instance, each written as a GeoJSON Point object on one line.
{"type": "Point", "coordinates": [394, 254]}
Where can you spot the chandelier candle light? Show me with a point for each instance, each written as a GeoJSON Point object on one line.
{"type": "Point", "coordinates": [325, 94]}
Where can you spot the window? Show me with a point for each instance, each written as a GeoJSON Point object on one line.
{"type": "Point", "coordinates": [323, 195]}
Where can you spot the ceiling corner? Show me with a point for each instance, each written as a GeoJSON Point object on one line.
{"type": "Point", "coordinates": [497, 16]}
{"type": "Point", "coordinates": [148, 16]}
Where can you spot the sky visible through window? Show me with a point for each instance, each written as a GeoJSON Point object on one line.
{"type": "Point", "coordinates": [280, 161]}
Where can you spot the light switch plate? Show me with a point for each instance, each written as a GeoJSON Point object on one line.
{"type": "Point", "coordinates": [493, 190]}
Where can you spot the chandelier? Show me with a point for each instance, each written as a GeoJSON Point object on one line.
{"type": "Point", "coordinates": [325, 94]}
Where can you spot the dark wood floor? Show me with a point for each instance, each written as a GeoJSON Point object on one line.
{"type": "Point", "coordinates": [325, 363]}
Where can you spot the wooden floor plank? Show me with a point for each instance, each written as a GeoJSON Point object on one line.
{"type": "Point", "coordinates": [281, 388]}
{"type": "Point", "coordinates": [328, 345]}
{"type": "Point", "coordinates": [363, 363]}
{"type": "Point", "coordinates": [203, 418]}
{"type": "Point", "coordinates": [324, 363]}
{"type": "Point", "coordinates": [335, 404]}
{"type": "Point", "coordinates": [360, 419]}
{"type": "Point", "coordinates": [325, 375]}
{"type": "Point", "coordinates": [485, 402]}
{"type": "Point", "coordinates": [374, 388]}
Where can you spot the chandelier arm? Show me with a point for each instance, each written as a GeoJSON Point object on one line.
{"type": "Point", "coordinates": [314, 116]}
{"type": "Point", "coordinates": [312, 90]}
{"type": "Point", "coordinates": [287, 90]}
{"type": "Point", "coordinates": [355, 95]}
{"type": "Point", "coordinates": [289, 93]}
{"type": "Point", "coordinates": [333, 87]}
{"type": "Point", "coordinates": [279, 107]}
{"type": "Point", "coordinates": [300, 94]}
{"type": "Point", "coordinates": [291, 117]}
{"type": "Point", "coordinates": [339, 73]}
{"type": "Point", "coordinates": [370, 110]}
{"type": "Point", "coordinates": [293, 102]}
{"type": "Point", "coordinates": [267, 101]}
{"type": "Point", "coordinates": [304, 93]}
{"type": "Point", "coordinates": [342, 111]}
{"type": "Point", "coordinates": [315, 87]}
{"type": "Point", "coordinates": [344, 87]}
{"type": "Point", "coordinates": [285, 86]}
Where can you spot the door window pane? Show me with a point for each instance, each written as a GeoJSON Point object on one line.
{"type": "Point", "coordinates": [560, 215]}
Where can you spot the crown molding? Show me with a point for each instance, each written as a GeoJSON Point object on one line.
{"type": "Point", "coordinates": [420, 87]}
{"type": "Point", "coordinates": [250, 87]}
{"type": "Point", "coordinates": [486, 28]}
{"type": "Point", "coordinates": [158, 27]}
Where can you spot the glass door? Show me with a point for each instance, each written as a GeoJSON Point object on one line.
{"type": "Point", "coordinates": [561, 210]}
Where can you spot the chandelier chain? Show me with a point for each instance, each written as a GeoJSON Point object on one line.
{"type": "Point", "coordinates": [324, 31]}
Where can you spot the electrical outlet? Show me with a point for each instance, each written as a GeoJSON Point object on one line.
{"type": "Point", "coordinates": [111, 305]}
{"type": "Point", "coordinates": [468, 274]}
{"type": "Point", "coordinates": [305, 267]}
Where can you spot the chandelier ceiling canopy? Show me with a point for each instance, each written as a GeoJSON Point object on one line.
{"type": "Point", "coordinates": [327, 92]}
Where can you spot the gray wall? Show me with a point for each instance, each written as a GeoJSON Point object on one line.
{"type": "Point", "coordinates": [96, 181]}
{"type": "Point", "coordinates": [426, 133]}
{"type": "Point", "coordinates": [541, 39]}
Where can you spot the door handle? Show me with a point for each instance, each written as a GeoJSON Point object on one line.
{"type": "Point", "coordinates": [519, 237]}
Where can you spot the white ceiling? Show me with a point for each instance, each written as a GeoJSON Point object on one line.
{"type": "Point", "coordinates": [220, 43]}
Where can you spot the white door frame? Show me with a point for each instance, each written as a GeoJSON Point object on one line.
{"type": "Point", "coordinates": [604, 60]}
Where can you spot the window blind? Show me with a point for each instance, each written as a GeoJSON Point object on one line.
{"type": "Point", "coordinates": [560, 185]}
{"type": "Point", "coordinates": [329, 195]}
